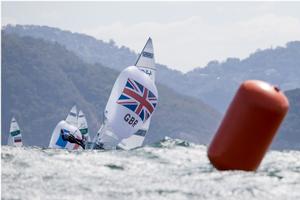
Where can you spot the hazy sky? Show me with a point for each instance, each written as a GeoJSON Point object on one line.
{"type": "Point", "coordinates": [185, 35]}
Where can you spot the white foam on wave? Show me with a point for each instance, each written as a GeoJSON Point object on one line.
{"type": "Point", "coordinates": [168, 172]}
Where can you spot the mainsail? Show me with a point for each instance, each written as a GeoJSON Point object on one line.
{"type": "Point", "coordinates": [72, 117]}
{"type": "Point", "coordinates": [145, 61]}
{"type": "Point", "coordinates": [15, 136]}
{"type": "Point", "coordinates": [83, 127]}
{"type": "Point", "coordinates": [131, 103]}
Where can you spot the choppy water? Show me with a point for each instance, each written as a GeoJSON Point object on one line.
{"type": "Point", "coordinates": [170, 170]}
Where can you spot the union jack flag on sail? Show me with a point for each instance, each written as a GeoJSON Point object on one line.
{"type": "Point", "coordinates": [138, 99]}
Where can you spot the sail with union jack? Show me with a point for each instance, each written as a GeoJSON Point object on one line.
{"type": "Point", "coordinates": [138, 99]}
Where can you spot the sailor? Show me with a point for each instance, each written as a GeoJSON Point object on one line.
{"type": "Point", "coordinates": [66, 136]}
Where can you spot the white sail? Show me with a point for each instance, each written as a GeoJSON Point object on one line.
{"type": "Point", "coordinates": [57, 140]}
{"type": "Point", "coordinates": [145, 61]}
{"type": "Point", "coordinates": [72, 117]}
{"type": "Point", "coordinates": [137, 139]}
{"type": "Point", "coordinates": [15, 136]}
{"type": "Point", "coordinates": [131, 103]}
{"type": "Point", "coordinates": [83, 127]}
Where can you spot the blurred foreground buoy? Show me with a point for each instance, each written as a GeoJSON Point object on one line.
{"type": "Point", "coordinates": [248, 127]}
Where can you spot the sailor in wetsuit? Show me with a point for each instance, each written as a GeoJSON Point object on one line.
{"type": "Point", "coordinates": [70, 138]}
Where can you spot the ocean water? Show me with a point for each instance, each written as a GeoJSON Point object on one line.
{"type": "Point", "coordinates": [171, 169]}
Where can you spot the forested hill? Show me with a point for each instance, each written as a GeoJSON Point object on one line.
{"type": "Point", "coordinates": [42, 80]}
{"type": "Point", "coordinates": [215, 84]}
{"type": "Point", "coordinates": [289, 134]}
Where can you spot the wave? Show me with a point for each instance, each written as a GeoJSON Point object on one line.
{"type": "Point", "coordinates": [169, 169]}
{"type": "Point", "coordinates": [168, 142]}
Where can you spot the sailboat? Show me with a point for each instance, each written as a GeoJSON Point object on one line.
{"type": "Point", "coordinates": [57, 140]}
{"type": "Point", "coordinates": [131, 104]}
{"type": "Point", "coordinates": [83, 127]}
{"type": "Point", "coordinates": [66, 127]}
{"type": "Point", "coordinates": [15, 136]}
{"type": "Point", "coordinates": [146, 63]}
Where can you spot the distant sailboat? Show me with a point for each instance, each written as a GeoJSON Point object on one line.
{"type": "Point", "coordinates": [59, 142]}
{"type": "Point", "coordinates": [15, 136]}
{"type": "Point", "coordinates": [67, 128]}
{"type": "Point", "coordinates": [83, 127]}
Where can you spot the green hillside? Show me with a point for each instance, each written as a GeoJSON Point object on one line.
{"type": "Point", "coordinates": [41, 81]}
{"type": "Point", "coordinates": [288, 136]}
{"type": "Point", "coordinates": [214, 83]}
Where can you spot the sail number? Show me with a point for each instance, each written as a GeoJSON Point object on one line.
{"type": "Point", "coordinates": [148, 72]}
{"type": "Point", "coordinates": [130, 120]}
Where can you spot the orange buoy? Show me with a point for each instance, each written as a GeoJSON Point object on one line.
{"type": "Point", "coordinates": [248, 127]}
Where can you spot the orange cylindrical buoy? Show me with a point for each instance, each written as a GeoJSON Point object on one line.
{"type": "Point", "coordinates": [248, 127]}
